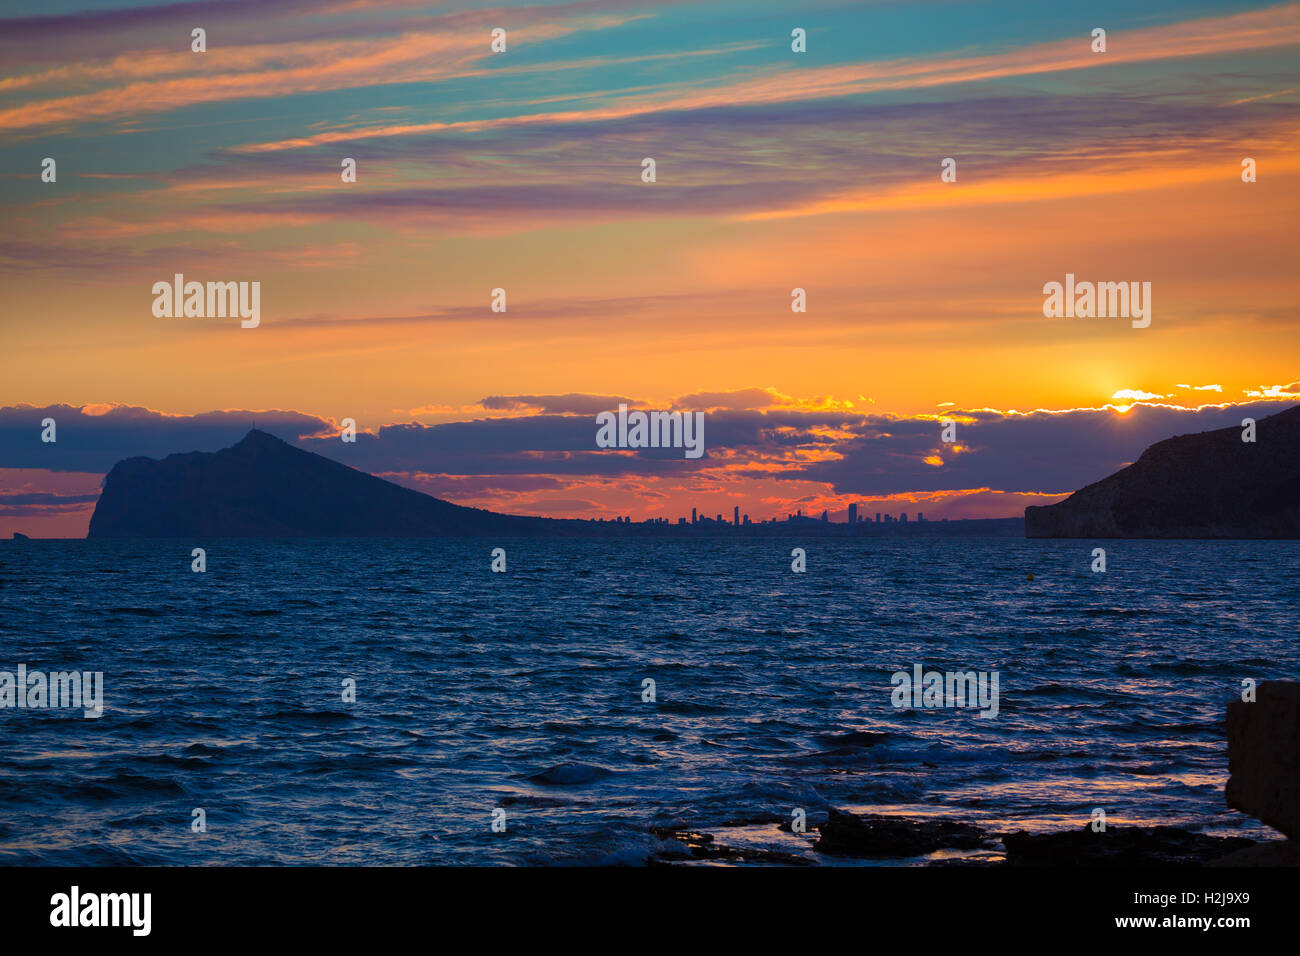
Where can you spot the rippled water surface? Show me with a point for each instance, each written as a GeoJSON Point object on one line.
{"type": "Point", "coordinates": [523, 691]}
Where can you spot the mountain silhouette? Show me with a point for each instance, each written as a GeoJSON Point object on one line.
{"type": "Point", "coordinates": [264, 487]}
{"type": "Point", "coordinates": [1207, 485]}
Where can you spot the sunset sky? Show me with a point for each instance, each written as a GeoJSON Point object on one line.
{"type": "Point", "coordinates": [522, 170]}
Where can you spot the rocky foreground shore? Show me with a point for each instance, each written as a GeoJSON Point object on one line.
{"type": "Point", "coordinates": [1264, 781]}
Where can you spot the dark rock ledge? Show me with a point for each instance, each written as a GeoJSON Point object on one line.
{"type": "Point", "coordinates": [1119, 846]}
{"type": "Point", "coordinates": [884, 837]}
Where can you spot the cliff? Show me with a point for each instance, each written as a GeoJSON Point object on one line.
{"type": "Point", "coordinates": [264, 487]}
{"type": "Point", "coordinates": [1207, 485]}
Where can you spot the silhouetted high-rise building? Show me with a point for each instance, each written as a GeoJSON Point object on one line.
{"type": "Point", "coordinates": [920, 516]}
{"type": "Point", "coordinates": [694, 520]}
{"type": "Point", "coordinates": [877, 517]}
{"type": "Point", "coordinates": [853, 513]}
{"type": "Point", "coordinates": [735, 519]}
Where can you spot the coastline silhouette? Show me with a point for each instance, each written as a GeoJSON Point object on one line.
{"type": "Point", "coordinates": [263, 487]}
{"type": "Point", "coordinates": [1236, 482]}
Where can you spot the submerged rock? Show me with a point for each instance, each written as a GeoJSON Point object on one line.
{"type": "Point", "coordinates": [1118, 846]}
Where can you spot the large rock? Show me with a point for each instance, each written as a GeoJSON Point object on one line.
{"type": "Point", "coordinates": [875, 837]}
{"type": "Point", "coordinates": [1264, 756]}
{"type": "Point", "coordinates": [1207, 485]}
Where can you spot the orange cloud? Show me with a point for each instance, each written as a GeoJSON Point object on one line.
{"type": "Point", "coordinates": [1163, 169]}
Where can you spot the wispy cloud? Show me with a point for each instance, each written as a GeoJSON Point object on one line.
{"type": "Point", "coordinates": [159, 82]}
{"type": "Point", "coordinates": [1272, 27]}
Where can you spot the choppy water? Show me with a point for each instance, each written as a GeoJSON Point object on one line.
{"type": "Point", "coordinates": [523, 691]}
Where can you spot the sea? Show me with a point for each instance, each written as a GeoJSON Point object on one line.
{"type": "Point", "coordinates": [396, 702]}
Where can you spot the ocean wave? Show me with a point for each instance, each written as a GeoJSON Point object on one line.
{"type": "Point", "coordinates": [571, 775]}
